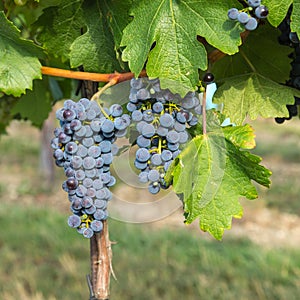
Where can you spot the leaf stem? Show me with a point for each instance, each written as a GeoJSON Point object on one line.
{"type": "Point", "coordinates": [88, 75]}
{"type": "Point", "coordinates": [204, 113]}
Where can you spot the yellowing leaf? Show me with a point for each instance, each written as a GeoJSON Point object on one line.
{"type": "Point", "coordinates": [212, 173]}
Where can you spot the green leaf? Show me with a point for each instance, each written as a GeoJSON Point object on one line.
{"type": "Point", "coordinates": [61, 26]}
{"type": "Point", "coordinates": [240, 136]}
{"type": "Point", "coordinates": [260, 53]}
{"type": "Point", "coordinates": [117, 13]}
{"type": "Point", "coordinates": [277, 10]}
{"type": "Point", "coordinates": [164, 32]}
{"type": "Point", "coordinates": [19, 63]}
{"type": "Point", "coordinates": [95, 48]}
{"type": "Point", "coordinates": [34, 105]}
{"type": "Point", "coordinates": [295, 17]}
{"type": "Point", "coordinates": [212, 173]}
{"type": "Point", "coordinates": [253, 95]}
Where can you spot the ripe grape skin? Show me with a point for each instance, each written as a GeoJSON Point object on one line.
{"type": "Point", "coordinates": [243, 17]}
{"type": "Point", "coordinates": [261, 12]}
{"type": "Point", "coordinates": [142, 155]}
{"type": "Point", "coordinates": [233, 13]}
{"type": "Point", "coordinates": [254, 3]}
{"type": "Point", "coordinates": [251, 24]}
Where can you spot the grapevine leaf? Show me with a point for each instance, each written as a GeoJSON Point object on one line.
{"type": "Point", "coordinates": [254, 95]}
{"type": "Point", "coordinates": [19, 63]}
{"type": "Point", "coordinates": [117, 13]}
{"type": "Point", "coordinates": [165, 32]}
{"type": "Point", "coordinates": [277, 10]}
{"type": "Point", "coordinates": [295, 17]}
{"type": "Point", "coordinates": [34, 105]}
{"type": "Point", "coordinates": [240, 136]}
{"type": "Point", "coordinates": [255, 56]}
{"type": "Point", "coordinates": [95, 48]}
{"type": "Point", "coordinates": [212, 173]}
{"type": "Point", "coordinates": [61, 26]}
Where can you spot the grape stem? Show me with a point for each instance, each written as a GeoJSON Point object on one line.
{"type": "Point", "coordinates": [204, 113]}
{"type": "Point", "coordinates": [96, 96]}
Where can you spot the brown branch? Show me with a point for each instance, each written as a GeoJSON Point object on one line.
{"type": "Point", "coordinates": [118, 77]}
{"type": "Point", "coordinates": [101, 256]}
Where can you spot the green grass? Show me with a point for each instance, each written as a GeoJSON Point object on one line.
{"type": "Point", "coordinates": [41, 258]}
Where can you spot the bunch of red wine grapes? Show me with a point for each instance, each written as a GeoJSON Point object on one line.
{"type": "Point", "coordinates": [84, 145]}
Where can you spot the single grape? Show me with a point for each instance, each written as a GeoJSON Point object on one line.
{"type": "Point", "coordinates": [251, 24]}
{"type": "Point", "coordinates": [243, 17]}
{"type": "Point", "coordinates": [69, 115]}
{"type": "Point", "coordinates": [143, 142]}
{"type": "Point", "coordinates": [116, 110]}
{"type": "Point", "coordinates": [79, 175]}
{"type": "Point", "coordinates": [166, 155]}
{"type": "Point", "coordinates": [156, 159]}
{"type": "Point", "coordinates": [208, 78]}
{"type": "Point", "coordinates": [88, 232]}
{"type": "Point", "coordinates": [105, 146]}
{"type": "Point", "coordinates": [166, 120]}
{"type": "Point", "coordinates": [137, 116]}
{"type": "Point", "coordinates": [72, 183]}
{"type": "Point", "coordinates": [107, 126]}
{"type": "Point", "coordinates": [254, 3]}
{"type": "Point", "coordinates": [261, 11]}
{"type": "Point", "coordinates": [96, 225]}
{"type": "Point", "coordinates": [107, 158]}
{"type": "Point", "coordinates": [153, 175]}
{"type": "Point", "coordinates": [173, 136]}
{"type": "Point", "coordinates": [157, 107]}
{"type": "Point", "coordinates": [233, 13]}
{"type": "Point", "coordinates": [58, 154]}
{"type": "Point", "coordinates": [136, 83]}
{"type": "Point", "coordinates": [74, 221]}
{"type": "Point", "coordinates": [143, 94]}
{"type": "Point", "coordinates": [148, 130]}
{"type": "Point", "coordinates": [142, 155]}
{"type": "Point", "coordinates": [154, 189]}
{"type": "Point", "coordinates": [94, 151]}
{"type": "Point", "coordinates": [87, 182]}
{"type": "Point", "coordinates": [86, 202]}
{"type": "Point", "coordinates": [88, 163]}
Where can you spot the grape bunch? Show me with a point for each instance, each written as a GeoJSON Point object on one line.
{"type": "Point", "coordinates": [248, 16]}
{"type": "Point", "coordinates": [161, 120]}
{"type": "Point", "coordinates": [84, 146]}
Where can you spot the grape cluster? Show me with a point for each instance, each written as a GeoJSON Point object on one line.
{"type": "Point", "coordinates": [248, 16]}
{"type": "Point", "coordinates": [291, 39]}
{"type": "Point", "coordinates": [84, 147]}
{"type": "Point", "coordinates": [161, 120]}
